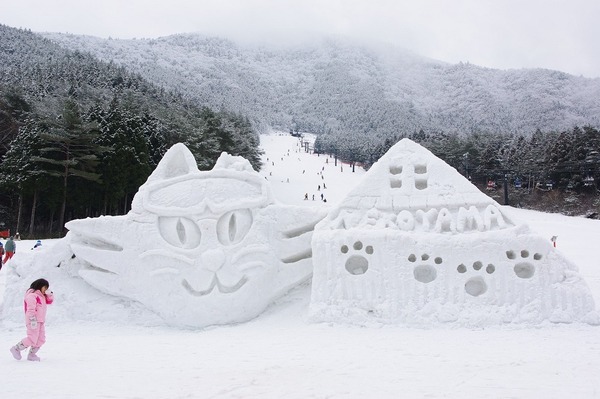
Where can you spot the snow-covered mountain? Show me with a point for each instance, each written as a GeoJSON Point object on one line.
{"type": "Point", "coordinates": [335, 85]}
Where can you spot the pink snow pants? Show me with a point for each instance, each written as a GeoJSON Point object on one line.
{"type": "Point", "coordinates": [35, 337]}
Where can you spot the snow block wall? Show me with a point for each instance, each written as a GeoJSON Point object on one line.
{"type": "Point", "coordinates": [199, 248]}
{"type": "Point", "coordinates": [415, 242]}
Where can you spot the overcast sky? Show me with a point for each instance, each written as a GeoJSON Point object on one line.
{"type": "Point", "coordinates": [554, 34]}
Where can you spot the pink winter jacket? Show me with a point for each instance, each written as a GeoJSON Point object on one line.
{"type": "Point", "coordinates": [35, 304]}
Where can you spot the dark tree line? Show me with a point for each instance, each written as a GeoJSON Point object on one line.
{"type": "Point", "coordinates": [81, 164]}
{"type": "Point", "coordinates": [565, 160]}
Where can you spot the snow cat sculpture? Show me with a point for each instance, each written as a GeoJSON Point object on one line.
{"type": "Point", "coordinates": [199, 248]}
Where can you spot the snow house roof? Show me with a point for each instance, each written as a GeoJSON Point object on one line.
{"type": "Point", "coordinates": [411, 185]}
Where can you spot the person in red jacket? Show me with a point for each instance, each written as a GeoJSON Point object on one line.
{"type": "Point", "coordinates": [10, 247]}
{"type": "Point", "coordinates": [37, 298]}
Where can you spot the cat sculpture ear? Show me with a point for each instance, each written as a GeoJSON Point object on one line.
{"type": "Point", "coordinates": [178, 161]}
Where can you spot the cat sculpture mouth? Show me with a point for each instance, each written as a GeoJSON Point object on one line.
{"type": "Point", "coordinates": [224, 289]}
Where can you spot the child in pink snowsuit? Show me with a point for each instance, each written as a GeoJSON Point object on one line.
{"type": "Point", "coordinates": [37, 298]}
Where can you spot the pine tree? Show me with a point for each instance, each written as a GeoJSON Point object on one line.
{"type": "Point", "coordinates": [69, 150]}
{"type": "Point", "coordinates": [124, 162]}
{"type": "Point", "coordinates": [20, 172]}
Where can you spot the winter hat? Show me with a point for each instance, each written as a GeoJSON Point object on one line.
{"type": "Point", "coordinates": [38, 242]}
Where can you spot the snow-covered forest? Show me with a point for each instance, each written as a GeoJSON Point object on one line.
{"type": "Point", "coordinates": [78, 135]}
{"type": "Point", "coordinates": [337, 85]}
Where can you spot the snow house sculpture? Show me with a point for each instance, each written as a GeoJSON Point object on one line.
{"type": "Point", "coordinates": [415, 242]}
{"type": "Point", "coordinates": [199, 248]}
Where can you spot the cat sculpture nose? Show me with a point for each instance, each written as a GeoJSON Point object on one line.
{"type": "Point", "coordinates": [213, 259]}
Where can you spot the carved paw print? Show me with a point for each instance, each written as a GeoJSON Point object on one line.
{"type": "Point", "coordinates": [425, 273]}
{"type": "Point", "coordinates": [476, 285]}
{"type": "Point", "coordinates": [357, 263]}
{"type": "Point", "coordinates": [523, 268]}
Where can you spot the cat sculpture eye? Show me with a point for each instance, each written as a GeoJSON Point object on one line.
{"type": "Point", "coordinates": [233, 226]}
{"type": "Point", "coordinates": [179, 231]}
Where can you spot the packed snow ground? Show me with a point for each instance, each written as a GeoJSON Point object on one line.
{"type": "Point", "coordinates": [280, 354]}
